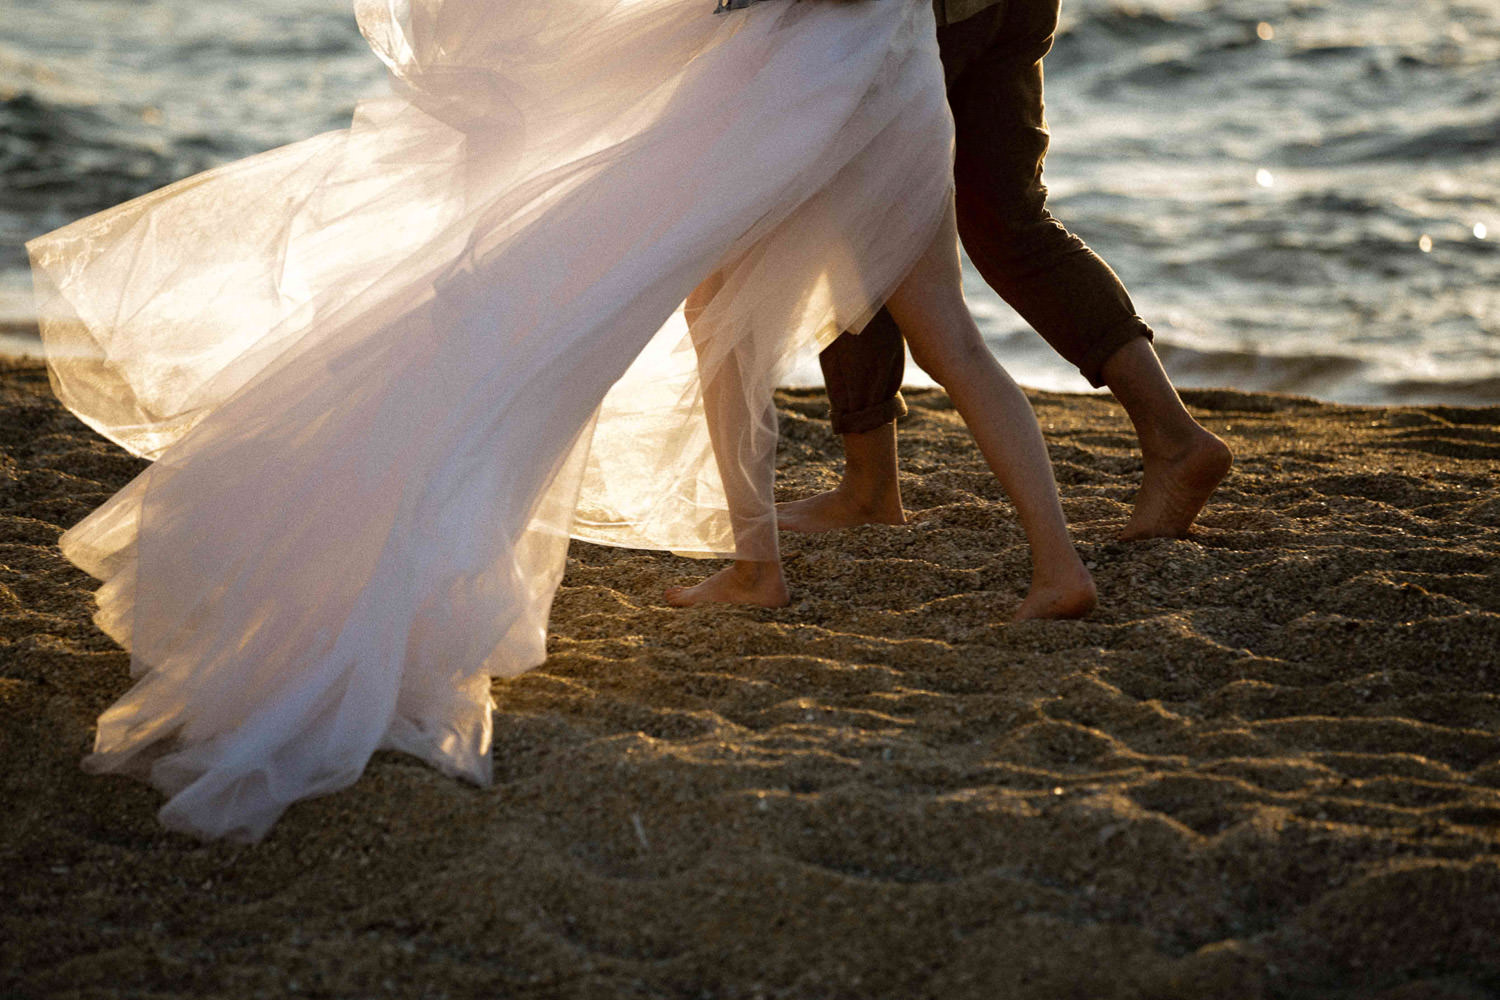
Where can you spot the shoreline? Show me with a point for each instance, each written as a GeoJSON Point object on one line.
{"type": "Point", "coordinates": [1033, 364]}
{"type": "Point", "coordinates": [1267, 766]}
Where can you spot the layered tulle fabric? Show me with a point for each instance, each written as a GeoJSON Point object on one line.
{"type": "Point", "coordinates": [387, 372]}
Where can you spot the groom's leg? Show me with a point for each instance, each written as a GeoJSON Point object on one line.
{"type": "Point", "coordinates": [1073, 299]}
{"type": "Point", "coordinates": [1048, 275]}
{"type": "Point", "coordinates": [863, 374]}
{"type": "Point", "coordinates": [1057, 284]}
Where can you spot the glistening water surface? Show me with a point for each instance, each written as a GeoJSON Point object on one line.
{"type": "Point", "coordinates": [1301, 196]}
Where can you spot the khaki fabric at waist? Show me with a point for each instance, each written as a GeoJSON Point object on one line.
{"type": "Point", "coordinates": [953, 11]}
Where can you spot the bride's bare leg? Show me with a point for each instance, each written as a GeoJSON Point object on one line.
{"type": "Point", "coordinates": [930, 310]}
{"type": "Point", "coordinates": [745, 581]}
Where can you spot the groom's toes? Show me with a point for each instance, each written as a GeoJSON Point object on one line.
{"type": "Point", "coordinates": [834, 510]}
{"type": "Point", "coordinates": [1069, 598]}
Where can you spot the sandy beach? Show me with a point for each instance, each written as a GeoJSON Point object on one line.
{"type": "Point", "coordinates": [1267, 766]}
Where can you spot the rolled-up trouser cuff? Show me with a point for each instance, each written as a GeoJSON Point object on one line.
{"type": "Point", "coordinates": [863, 373]}
{"type": "Point", "coordinates": [870, 418]}
{"type": "Point", "coordinates": [1091, 365]}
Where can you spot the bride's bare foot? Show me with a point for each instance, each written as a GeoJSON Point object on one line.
{"type": "Point", "coordinates": [1174, 489]}
{"type": "Point", "coordinates": [838, 508]}
{"type": "Point", "coordinates": [742, 582]}
{"type": "Point", "coordinates": [1068, 593]}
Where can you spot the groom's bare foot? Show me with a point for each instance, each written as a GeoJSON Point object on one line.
{"type": "Point", "coordinates": [868, 493]}
{"type": "Point", "coordinates": [1174, 490]}
{"type": "Point", "coordinates": [838, 508]}
{"type": "Point", "coordinates": [742, 582]}
{"type": "Point", "coordinates": [1069, 593]}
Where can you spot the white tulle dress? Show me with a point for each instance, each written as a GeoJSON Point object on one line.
{"type": "Point", "coordinates": [385, 373]}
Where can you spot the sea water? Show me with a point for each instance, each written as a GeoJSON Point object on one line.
{"type": "Point", "coordinates": [1302, 196]}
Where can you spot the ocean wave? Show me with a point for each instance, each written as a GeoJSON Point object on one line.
{"type": "Point", "coordinates": [1458, 392]}
{"type": "Point", "coordinates": [1450, 140]}
{"type": "Point", "coordinates": [1326, 375]}
{"type": "Point", "coordinates": [1309, 182]}
{"type": "Point", "coordinates": [77, 154]}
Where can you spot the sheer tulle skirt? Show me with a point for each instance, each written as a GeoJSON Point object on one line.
{"type": "Point", "coordinates": [385, 373]}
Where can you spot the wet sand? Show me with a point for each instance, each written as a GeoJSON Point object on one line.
{"type": "Point", "coordinates": [1267, 766]}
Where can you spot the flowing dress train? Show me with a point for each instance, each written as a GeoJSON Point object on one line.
{"type": "Point", "coordinates": [385, 373]}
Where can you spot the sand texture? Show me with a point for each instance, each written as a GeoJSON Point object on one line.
{"type": "Point", "coordinates": [1267, 766]}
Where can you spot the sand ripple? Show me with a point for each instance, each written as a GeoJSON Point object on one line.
{"type": "Point", "coordinates": [1269, 766]}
